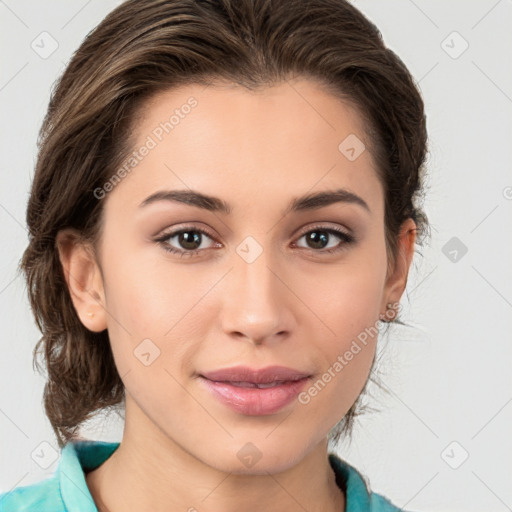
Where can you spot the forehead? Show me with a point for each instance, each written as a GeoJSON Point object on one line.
{"type": "Point", "coordinates": [251, 145]}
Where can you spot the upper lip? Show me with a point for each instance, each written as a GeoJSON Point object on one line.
{"type": "Point", "coordinates": [256, 376]}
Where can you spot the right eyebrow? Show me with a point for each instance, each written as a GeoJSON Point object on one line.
{"type": "Point", "coordinates": [190, 197]}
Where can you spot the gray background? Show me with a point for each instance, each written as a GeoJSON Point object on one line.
{"type": "Point", "coordinates": [442, 438]}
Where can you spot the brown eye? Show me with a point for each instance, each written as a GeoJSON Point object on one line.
{"type": "Point", "coordinates": [188, 241]}
{"type": "Point", "coordinates": [318, 238]}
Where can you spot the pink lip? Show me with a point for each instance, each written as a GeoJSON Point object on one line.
{"type": "Point", "coordinates": [252, 400]}
{"type": "Point", "coordinates": [256, 376]}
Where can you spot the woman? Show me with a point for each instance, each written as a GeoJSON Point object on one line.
{"type": "Point", "coordinates": [224, 212]}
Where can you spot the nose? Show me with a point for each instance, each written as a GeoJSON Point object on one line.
{"type": "Point", "coordinates": [257, 305]}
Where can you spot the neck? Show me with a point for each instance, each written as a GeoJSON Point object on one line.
{"type": "Point", "coordinates": [142, 475]}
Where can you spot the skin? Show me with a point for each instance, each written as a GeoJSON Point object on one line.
{"type": "Point", "coordinates": [294, 305]}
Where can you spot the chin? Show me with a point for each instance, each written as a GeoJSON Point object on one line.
{"type": "Point", "coordinates": [260, 456]}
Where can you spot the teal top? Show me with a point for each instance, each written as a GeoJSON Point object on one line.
{"type": "Point", "coordinates": [67, 489]}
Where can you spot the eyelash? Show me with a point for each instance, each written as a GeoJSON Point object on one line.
{"type": "Point", "coordinates": [345, 237]}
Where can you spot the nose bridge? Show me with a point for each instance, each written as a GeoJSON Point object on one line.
{"type": "Point", "coordinates": [255, 304]}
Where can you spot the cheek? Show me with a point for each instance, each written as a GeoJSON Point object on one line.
{"type": "Point", "coordinates": [346, 355]}
{"type": "Point", "coordinates": [352, 315]}
{"type": "Point", "coordinates": [347, 297]}
{"type": "Point", "coordinates": [145, 292]}
{"type": "Point", "coordinates": [348, 303]}
{"type": "Point", "coordinates": [155, 311]}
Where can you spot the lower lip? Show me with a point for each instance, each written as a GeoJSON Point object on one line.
{"type": "Point", "coordinates": [255, 401]}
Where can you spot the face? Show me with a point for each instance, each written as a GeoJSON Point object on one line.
{"type": "Point", "coordinates": [190, 289]}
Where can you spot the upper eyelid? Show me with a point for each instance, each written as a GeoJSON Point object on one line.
{"type": "Point", "coordinates": [175, 231]}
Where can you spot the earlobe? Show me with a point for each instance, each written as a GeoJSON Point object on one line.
{"type": "Point", "coordinates": [397, 279]}
{"type": "Point", "coordinates": [84, 280]}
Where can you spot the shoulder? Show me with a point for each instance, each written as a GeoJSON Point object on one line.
{"type": "Point", "coordinates": [379, 503]}
{"type": "Point", "coordinates": [42, 496]}
{"type": "Point", "coordinates": [67, 488]}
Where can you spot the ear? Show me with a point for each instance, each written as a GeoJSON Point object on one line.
{"type": "Point", "coordinates": [84, 280]}
{"type": "Point", "coordinates": [397, 276]}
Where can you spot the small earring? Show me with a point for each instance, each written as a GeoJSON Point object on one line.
{"type": "Point", "coordinates": [90, 313]}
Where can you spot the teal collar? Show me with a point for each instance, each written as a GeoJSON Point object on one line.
{"type": "Point", "coordinates": [357, 497]}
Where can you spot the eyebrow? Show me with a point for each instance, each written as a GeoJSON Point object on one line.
{"type": "Point", "coordinates": [214, 204]}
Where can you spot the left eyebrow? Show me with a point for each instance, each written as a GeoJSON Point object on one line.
{"type": "Point", "coordinates": [322, 199]}
{"type": "Point", "coordinates": [299, 204]}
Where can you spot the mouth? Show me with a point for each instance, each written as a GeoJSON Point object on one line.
{"type": "Point", "coordinates": [245, 374]}
{"type": "Point", "coordinates": [259, 386]}
{"type": "Point", "coordinates": [255, 392]}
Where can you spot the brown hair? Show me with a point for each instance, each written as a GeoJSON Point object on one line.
{"type": "Point", "coordinates": [144, 47]}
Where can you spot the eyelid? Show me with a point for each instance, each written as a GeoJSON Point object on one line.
{"type": "Point", "coordinates": [174, 230]}
{"type": "Point", "coordinates": [325, 226]}
{"type": "Point", "coordinates": [345, 236]}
